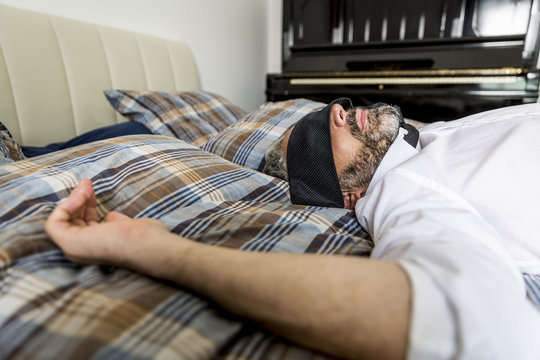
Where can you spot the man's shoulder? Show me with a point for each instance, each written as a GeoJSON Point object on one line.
{"type": "Point", "coordinates": [515, 112]}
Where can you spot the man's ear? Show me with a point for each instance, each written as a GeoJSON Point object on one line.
{"type": "Point", "coordinates": [351, 197]}
{"type": "Point", "coordinates": [338, 115]}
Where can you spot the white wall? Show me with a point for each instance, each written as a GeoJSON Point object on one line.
{"type": "Point", "coordinates": [235, 42]}
{"type": "Point", "coordinates": [274, 9]}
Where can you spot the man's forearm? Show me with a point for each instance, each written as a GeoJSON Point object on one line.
{"type": "Point", "coordinates": [344, 306]}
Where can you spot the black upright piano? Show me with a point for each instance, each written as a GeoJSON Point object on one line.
{"type": "Point", "coordinates": [436, 59]}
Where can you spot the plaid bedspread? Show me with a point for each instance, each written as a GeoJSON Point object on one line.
{"type": "Point", "coordinates": [54, 309]}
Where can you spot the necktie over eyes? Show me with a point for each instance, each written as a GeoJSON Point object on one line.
{"type": "Point", "coordinates": [313, 178]}
{"type": "Point", "coordinates": [312, 173]}
{"type": "Point", "coordinates": [412, 135]}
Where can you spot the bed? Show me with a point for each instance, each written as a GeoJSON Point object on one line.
{"type": "Point", "coordinates": [199, 173]}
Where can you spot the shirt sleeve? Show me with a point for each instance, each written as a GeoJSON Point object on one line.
{"type": "Point", "coordinates": [469, 299]}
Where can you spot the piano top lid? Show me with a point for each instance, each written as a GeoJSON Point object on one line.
{"type": "Point", "coordinates": [488, 41]}
{"type": "Point", "coordinates": [346, 35]}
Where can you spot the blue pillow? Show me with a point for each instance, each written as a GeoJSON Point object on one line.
{"type": "Point", "coordinates": [125, 128]}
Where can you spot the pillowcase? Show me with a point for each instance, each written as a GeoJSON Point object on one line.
{"type": "Point", "coordinates": [10, 150]}
{"type": "Point", "coordinates": [192, 116]}
{"type": "Point", "coordinates": [245, 142]}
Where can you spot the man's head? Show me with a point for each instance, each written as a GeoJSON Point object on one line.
{"type": "Point", "coordinates": [330, 156]}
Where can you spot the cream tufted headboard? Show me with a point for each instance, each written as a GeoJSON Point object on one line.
{"type": "Point", "coordinates": [53, 72]}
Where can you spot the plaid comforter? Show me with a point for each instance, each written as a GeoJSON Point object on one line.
{"type": "Point", "coordinates": [52, 308]}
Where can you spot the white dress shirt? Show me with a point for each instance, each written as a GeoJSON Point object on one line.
{"type": "Point", "coordinates": [461, 214]}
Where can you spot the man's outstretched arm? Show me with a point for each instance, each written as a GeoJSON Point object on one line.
{"type": "Point", "coordinates": [343, 306]}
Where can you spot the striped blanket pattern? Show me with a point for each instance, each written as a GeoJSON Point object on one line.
{"type": "Point", "coordinates": [52, 308]}
{"type": "Point", "coordinates": [192, 116]}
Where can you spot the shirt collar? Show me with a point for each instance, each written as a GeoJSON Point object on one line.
{"type": "Point", "coordinates": [399, 152]}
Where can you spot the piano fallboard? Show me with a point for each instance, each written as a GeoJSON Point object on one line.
{"type": "Point", "coordinates": [425, 95]}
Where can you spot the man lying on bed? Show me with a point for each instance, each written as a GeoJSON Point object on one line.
{"type": "Point", "coordinates": [454, 220]}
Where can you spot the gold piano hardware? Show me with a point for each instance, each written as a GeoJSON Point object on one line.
{"type": "Point", "coordinates": [407, 81]}
{"type": "Point", "coordinates": [506, 71]}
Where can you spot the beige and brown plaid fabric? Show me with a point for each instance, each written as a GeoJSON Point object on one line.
{"type": "Point", "coordinates": [10, 150]}
{"type": "Point", "coordinates": [52, 308]}
{"type": "Point", "coordinates": [245, 142]}
{"type": "Point", "coordinates": [192, 116]}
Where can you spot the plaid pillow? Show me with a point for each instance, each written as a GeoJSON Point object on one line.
{"type": "Point", "coordinates": [245, 142]}
{"type": "Point", "coordinates": [192, 116]}
{"type": "Point", "coordinates": [10, 150]}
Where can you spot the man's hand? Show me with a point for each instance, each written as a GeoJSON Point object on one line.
{"type": "Point", "coordinates": [74, 227]}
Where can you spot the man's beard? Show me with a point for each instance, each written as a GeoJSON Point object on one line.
{"type": "Point", "coordinates": [382, 129]}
